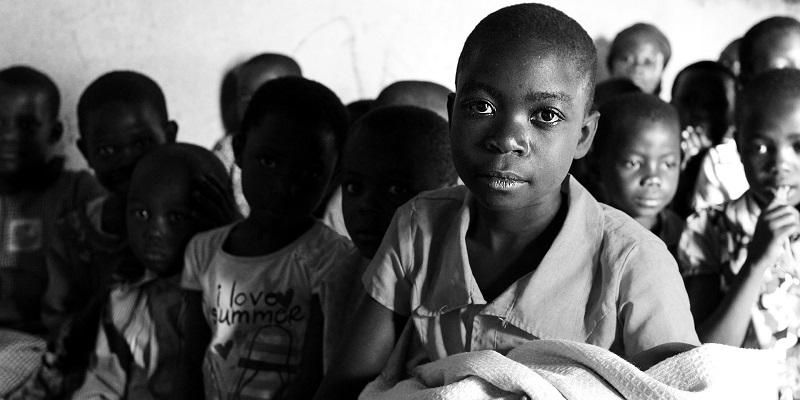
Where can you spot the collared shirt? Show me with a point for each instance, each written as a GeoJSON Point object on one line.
{"type": "Point", "coordinates": [605, 280]}
{"type": "Point", "coordinates": [715, 242]}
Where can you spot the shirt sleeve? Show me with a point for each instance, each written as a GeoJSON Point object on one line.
{"type": "Point", "coordinates": [387, 278]}
{"type": "Point", "coordinates": [708, 190]}
{"type": "Point", "coordinates": [653, 304]}
{"type": "Point", "coordinates": [698, 248]}
{"type": "Point", "coordinates": [193, 264]}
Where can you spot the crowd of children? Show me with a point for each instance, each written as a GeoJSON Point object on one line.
{"type": "Point", "coordinates": [318, 239]}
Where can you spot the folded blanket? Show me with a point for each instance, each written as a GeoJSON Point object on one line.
{"type": "Point", "coordinates": [557, 369]}
{"type": "Point", "coordinates": [20, 357]}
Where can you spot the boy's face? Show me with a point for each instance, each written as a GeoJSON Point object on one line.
{"type": "Point", "coordinates": [769, 144]}
{"type": "Point", "coordinates": [377, 178]}
{"type": "Point", "coordinates": [117, 136]}
{"type": "Point", "coordinates": [518, 119]}
{"type": "Point", "coordinates": [159, 218]}
{"type": "Point", "coordinates": [641, 176]}
{"type": "Point", "coordinates": [286, 166]}
{"type": "Point", "coordinates": [27, 130]}
{"type": "Point", "coordinates": [781, 50]}
{"type": "Point", "coordinates": [705, 100]}
{"type": "Point", "coordinates": [642, 62]}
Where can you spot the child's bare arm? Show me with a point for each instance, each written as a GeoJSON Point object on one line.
{"type": "Point", "coordinates": [363, 353]}
{"type": "Point", "coordinates": [727, 323]}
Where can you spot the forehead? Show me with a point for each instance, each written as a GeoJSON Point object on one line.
{"type": "Point", "coordinates": [523, 69]}
{"type": "Point", "coordinates": [161, 180]}
{"type": "Point", "coordinates": [23, 99]}
{"type": "Point", "coordinates": [771, 116]}
{"type": "Point", "coordinates": [659, 133]}
{"type": "Point", "coordinates": [278, 130]}
{"type": "Point", "coordinates": [108, 118]}
{"type": "Point", "coordinates": [639, 44]}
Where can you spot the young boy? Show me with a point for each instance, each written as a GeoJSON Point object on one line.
{"type": "Point", "coordinates": [34, 190]}
{"type": "Point", "coordinates": [740, 260]}
{"type": "Point", "coordinates": [249, 77]}
{"type": "Point", "coordinates": [122, 116]}
{"type": "Point", "coordinates": [151, 335]}
{"type": "Point", "coordinates": [638, 153]}
{"type": "Point", "coordinates": [522, 251]}
{"type": "Point", "coordinates": [704, 94]}
{"type": "Point", "coordinates": [392, 154]}
{"type": "Point", "coordinates": [260, 277]}
{"type": "Point", "coordinates": [770, 44]}
{"type": "Point", "coordinates": [640, 52]}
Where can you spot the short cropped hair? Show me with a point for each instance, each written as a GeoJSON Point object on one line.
{"type": "Point", "coordinates": [21, 76]}
{"type": "Point", "coordinates": [617, 113]}
{"type": "Point", "coordinates": [301, 99]}
{"type": "Point", "coordinates": [532, 21]}
{"type": "Point", "coordinates": [767, 87]}
{"type": "Point", "coordinates": [634, 32]}
{"type": "Point", "coordinates": [127, 87]}
{"type": "Point", "coordinates": [748, 47]}
{"type": "Point", "coordinates": [421, 133]}
{"type": "Point", "coordinates": [610, 88]}
{"type": "Point", "coordinates": [424, 94]}
{"type": "Point", "coordinates": [276, 61]}
{"type": "Point", "coordinates": [712, 67]}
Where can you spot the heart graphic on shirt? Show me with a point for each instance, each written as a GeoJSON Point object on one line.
{"type": "Point", "coordinates": [224, 349]}
{"type": "Point", "coordinates": [285, 299]}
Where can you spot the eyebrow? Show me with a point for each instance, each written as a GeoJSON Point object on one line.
{"type": "Point", "coordinates": [540, 96]}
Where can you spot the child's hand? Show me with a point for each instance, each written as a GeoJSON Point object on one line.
{"type": "Point", "coordinates": [215, 204]}
{"type": "Point", "coordinates": [775, 225]}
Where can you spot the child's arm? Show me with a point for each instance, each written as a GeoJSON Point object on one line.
{"type": "Point", "coordinates": [727, 322]}
{"type": "Point", "coordinates": [310, 373]}
{"type": "Point", "coordinates": [363, 353]}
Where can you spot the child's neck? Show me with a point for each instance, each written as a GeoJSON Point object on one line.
{"type": "Point", "coordinates": [261, 235]}
{"type": "Point", "coordinates": [503, 246]}
{"type": "Point", "coordinates": [650, 222]}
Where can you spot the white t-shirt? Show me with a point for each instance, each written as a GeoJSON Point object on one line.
{"type": "Point", "coordinates": [258, 308]}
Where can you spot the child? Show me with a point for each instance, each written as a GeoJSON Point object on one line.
{"type": "Point", "coordinates": [522, 251]}
{"type": "Point", "coordinates": [730, 57]}
{"type": "Point", "coordinates": [640, 52]}
{"type": "Point", "coordinates": [637, 151]}
{"type": "Point", "coordinates": [704, 94]}
{"type": "Point", "coordinates": [152, 335]}
{"type": "Point", "coordinates": [260, 277]}
{"type": "Point", "coordinates": [249, 77]}
{"type": "Point", "coordinates": [122, 115]}
{"type": "Point", "coordinates": [740, 260]}
{"type": "Point", "coordinates": [392, 154]}
{"type": "Point", "coordinates": [770, 44]}
{"type": "Point", "coordinates": [34, 189]}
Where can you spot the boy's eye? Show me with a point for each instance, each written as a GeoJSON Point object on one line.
{"type": "Point", "coordinates": [106, 151]}
{"type": "Point", "coordinates": [671, 164]}
{"type": "Point", "coordinates": [631, 164]}
{"type": "Point", "coordinates": [397, 190]}
{"type": "Point", "coordinates": [352, 188]}
{"type": "Point", "coordinates": [759, 149]}
{"type": "Point", "coordinates": [267, 162]}
{"type": "Point", "coordinates": [177, 217]}
{"type": "Point", "coordinates": [547, 117]}
{"type": "Point", "coordinates": [796, 146]}
{"type": "Point", "coordinates": [140, 214]}
{"type": "Point", "coordinates": [480, 107]}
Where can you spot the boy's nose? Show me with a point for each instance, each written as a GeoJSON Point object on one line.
{"type": "Point", "coordinates": [509, 139]}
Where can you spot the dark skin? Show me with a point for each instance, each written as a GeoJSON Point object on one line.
{"type": "Point", "coordinates": [29, 128]}
{"type": "Point", "coordinates": [380, 173]}
{"type": "Point", "coordinates": [769, 144]}
{"type": "Point", "coordinates": [115, 137]}
{"type": "Point", "coordinates": [286, 165]}
{"type": "Point", "coordinates": [515, 129]}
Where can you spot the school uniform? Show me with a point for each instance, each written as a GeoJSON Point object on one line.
{"type": "Point", "coordinates": [605, 280]}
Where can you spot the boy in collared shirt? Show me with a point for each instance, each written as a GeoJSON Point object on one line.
{"type": "Point", "coordinates": [523, 251]}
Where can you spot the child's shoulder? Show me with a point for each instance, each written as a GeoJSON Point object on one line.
{"type": "Point", "coordinates": [322, 241]}
{"type": "Point", "coordinates": [211, 238]}
{"type": "Point", "coordinates": [434, 206]}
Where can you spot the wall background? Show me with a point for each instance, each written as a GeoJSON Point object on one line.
{"type": "Point", "coordinates": [356, 47]}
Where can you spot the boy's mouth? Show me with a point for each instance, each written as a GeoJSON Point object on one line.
{"type": "Point", "coordinates": [781, 193]}
{"type": "Point", "coordinates": [502, 180]}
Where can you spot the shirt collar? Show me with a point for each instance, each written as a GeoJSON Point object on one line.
{"type": "Point", "coordinates": [547, 302]}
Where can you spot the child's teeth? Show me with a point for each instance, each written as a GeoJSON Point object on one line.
{"type": "Point", "coordinates": [782, 193]}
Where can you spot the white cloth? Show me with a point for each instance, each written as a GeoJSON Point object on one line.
{"type": "Point", "coordinates": [721, 177]}
{"type": "Point", "coordinates": [558, 369]}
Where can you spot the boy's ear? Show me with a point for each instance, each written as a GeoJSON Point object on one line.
{"type": "Point", "coordinates": [237, 142]}
{"type": "Point", "coordinates": [56, 133]}
{"type": "Point", "coordinates": [587, 134]}
{"type": "Point", "coordinates": [451, 98]}
{"type": "Point", "coordinates": [171, 131]}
